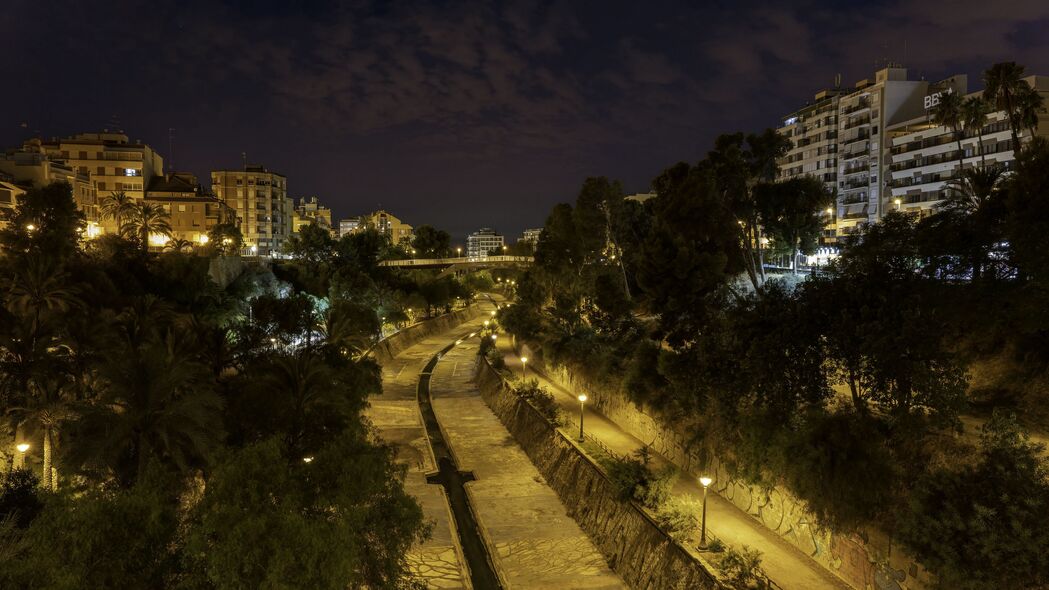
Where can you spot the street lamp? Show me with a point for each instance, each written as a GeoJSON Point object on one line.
{"type": "Point", "coordinates": [494, 336]}
{"type": "Point", "coordinates": [493, 314]}
{"type": "Point", "coordinates": [458, 251]}
{"type": "Point", "coordinates": [307, 459]}
{"type": "Point", "coordinates": [524, 366]}
{"type": "Point", "coordinates": [705, 482]}
{"type": "Point", "coordinates": [22, 448]}
{"type": "Point", "coordinates": [898, 202]}
{"type": "Point", "coordinates": [828, 211]}
{"type": "Point", "coordinates": [486, 324]}
{"type": "Point", "coordinates": [582, 401]}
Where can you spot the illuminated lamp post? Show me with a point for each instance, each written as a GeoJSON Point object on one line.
{"type": "Point", "coordinates": [22, 448]}
{"type": "Point", "coordinates": [582, 402]}
{"type": "Point", "coordinates": [705, 482]}
{"type": "Point", "coordinates": [524, 367]}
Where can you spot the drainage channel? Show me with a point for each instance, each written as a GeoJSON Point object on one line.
{"type": "Point", "coordinates": [482, 573]}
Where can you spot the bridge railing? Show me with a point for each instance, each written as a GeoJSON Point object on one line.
{"type": "Point", "coordinates": [453, 261]}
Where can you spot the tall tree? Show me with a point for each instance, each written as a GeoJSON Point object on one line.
{"type": "Point", "coordinates": [145, 220]}
{"type": "Point", "coordinates": [1002, 82]}
{"type": "Point", "coordinates": [430, 242]}
{"type": "Point", "coordinates": [1029, 108]}
{"type": "Point", "coordinates": [116, 206]}
{"type": "Point", "coordinates": [949, 113]}
{"type": "Point", "coordinates": [791, 212]}
{"type": "Point", "coordinates": [974, 116]}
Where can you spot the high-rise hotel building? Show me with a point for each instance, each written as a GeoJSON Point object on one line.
{"type": "Point", "coordinates": [876, 146]}
{"type": "Point", "coordinates": [260, 199]}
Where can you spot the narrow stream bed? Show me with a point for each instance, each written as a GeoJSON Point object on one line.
{"type": "Point", "coordinates": [475, 551]}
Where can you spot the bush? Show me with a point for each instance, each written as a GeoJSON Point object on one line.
{"type": "Point", "coordinates": [542, 400]}
{"type": "Point", "coordinates": [678, 518]}
{"type": "Point", "coordinates": [635, 480]}
{"type": "Point", "coordinates": [18, 497]}
{"type": "Point", "coordinates": [742, 568]}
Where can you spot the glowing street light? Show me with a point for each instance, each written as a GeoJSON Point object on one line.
{"type": "Point", "coordinates": [705, 482]}
{"type": "Point", "coordinates": [898, 202]}
{"type": "Point", "coordinates": [524, 366]}
{"type": "Point", "coordinates": [493, 314]}
{"type": "Point", "coordinates": [254, 249]}
{"type": "Point", "coordinates": [22, 448]}
{"type": "Point", "coordinates": [828, 211]}
{"type": "Point", "coordinates": [29, 227]}
{"type": "Point", "coordinates": [458, 251]}
{"type": "Point", "coordinates": [494, 336]}
{"type": "Point", "coordinates": [307, 459]}
{"type": "Point", "coordinates": [582, 402]}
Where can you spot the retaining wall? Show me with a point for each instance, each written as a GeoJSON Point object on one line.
{"type": "Point", "coordinates": [635, 548]}
{"type": "Point", "coordinates": [866, 561]}
{"type": "Point", "coordinates": [386, 349]}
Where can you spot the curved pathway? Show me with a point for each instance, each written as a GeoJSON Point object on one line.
{"type": "Point", "coordinates": [532, 541]}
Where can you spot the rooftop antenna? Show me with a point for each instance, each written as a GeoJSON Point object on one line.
{"type": "Point", "coordinates": [171, 147]}
{"type": "Point", "coordinates": [244, 158]}
{"type": "Point", "coordinates": [837, 80]}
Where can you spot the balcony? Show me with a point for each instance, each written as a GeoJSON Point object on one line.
{"type": "Point", "coordinates": [861, 105]}
{"type": "Point", "coordinates": [857, 123]}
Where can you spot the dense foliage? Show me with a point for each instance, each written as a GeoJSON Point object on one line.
{"type": "Point", "coordinates": [186, 434]}
{"type": "Point", "coordinates": [848, 386]}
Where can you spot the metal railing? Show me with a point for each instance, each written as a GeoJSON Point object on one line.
{"type": "Point", "coordinates": [457, 260]}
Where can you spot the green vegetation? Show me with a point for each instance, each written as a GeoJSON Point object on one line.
{"type": "Point", "coordinates": [847, 387]}
{"type": "Point", "coordinates": [187, 435]}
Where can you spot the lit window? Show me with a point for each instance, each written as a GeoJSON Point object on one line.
{"type": "Point", "coordinates": [130, 172]}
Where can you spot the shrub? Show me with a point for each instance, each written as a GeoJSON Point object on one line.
{"type": "Point", "coordinates": [635, 480]}
{"type": "Point", "coordinates": [18, 497]}
{"type": "Point", "coordinates": [742, 568]}
{"type": "Point", "coordinates": [678, 518]}
{"type": "Point", "coordinates": [495, 358]}
{"type": "Point", "coordinates": [542, 400]}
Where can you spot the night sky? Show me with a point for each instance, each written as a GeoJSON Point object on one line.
{"type": "Point", "coordinates": [470, 114]}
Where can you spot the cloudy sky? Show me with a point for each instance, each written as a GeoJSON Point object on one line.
{"type": "Point", "coordinates": [467, 114]}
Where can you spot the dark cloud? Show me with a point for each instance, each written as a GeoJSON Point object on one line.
{"type": "Point", "coordinates": [464, 114]}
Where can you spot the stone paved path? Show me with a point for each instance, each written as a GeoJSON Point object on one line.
{"type": "Point", "coordinates": [783, 563]}
{"type": "Point", "coordinates": [537, 544]}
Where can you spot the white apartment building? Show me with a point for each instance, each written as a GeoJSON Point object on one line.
{"type": "Point", "coordinates": [112, 161]}
{"type": "Point", "coordinates": [924, 157]}
{"type": "Point", "coordinates": [260, 199]}
{"type": "Point", "coordinates": [531, 236]}
{"type": "Point", "coordinates": [481, 242]}
{"type": "Point", "coordinates": [349, 226]}
{"type": "Point", "coordinates": [853, 152]}
{"type": "Point", "coordinates": [813, 131]}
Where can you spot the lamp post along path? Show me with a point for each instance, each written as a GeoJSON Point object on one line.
{"type": "Point", "coordinates": [582, 402]}
{"type": "Point", "coordinates": [705, 482]}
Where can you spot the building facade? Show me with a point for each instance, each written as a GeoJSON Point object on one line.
{"type": "Point", "coordinates": [389, 225]}
{"type": "Point", "coordinates": [110, 159]}
{"type": "Point", "coordinates": [844, 139]}
{"type": "Point", "coordinates": [309, 210]}
{"type": "Point", "coordinates": [530, 236]}
{"type": "Point", "coordinates": [260, 199]}
{"type": "Point", "coordinates": [349, 226]}
{"type": "Point", "coordinates": [481, 242]}
{"type": "Point", "coordinates": [32, 167]}
{"type": "Point", "coordinates": [924, 157]}
{"type": "Point", "coordinates": [191, 212]}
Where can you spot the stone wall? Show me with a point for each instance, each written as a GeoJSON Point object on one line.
{"type": "Point", "coordinates": [386, 349]}
{"type": "Point", "coordinates": [865, 561]}
{"type": "Point", "coordinates": [635, 548]}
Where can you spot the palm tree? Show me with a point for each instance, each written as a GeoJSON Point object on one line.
{"type": "Point", "coordinates": [178, 245]}
{"type": "Point", "coordinates": [147, 219]}
{"type": "Point", "coordinates": [973, 190]}
{"type": "Point", "coordinates": [50, 407]}
{"type": "Point", "coordinates": [1028, 107]}
{"type": "Point", "coordinates": [156, 404]}
{"type": "Point", "coordinates": [39, 289]}
{"type": "Point", "coordinates": [1001, 84]}
{"type": "Point", "coordinates": [948, 113]}
{"type": "Point", "coordinates": [974, 116]}
{"type": "Point", "coordinates": [116, 206]}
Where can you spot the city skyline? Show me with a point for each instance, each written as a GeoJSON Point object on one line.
{"type": "Point", "coordinates": [470, 116]}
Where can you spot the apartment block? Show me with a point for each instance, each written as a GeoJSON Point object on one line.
{"type": "Point", "coordinates": [481, 242]}
{"type": "Point", "coordinates": [260, 199]}
{"type": "Point", "coordinates": [349, 226]}
{"type": "Point", "coordinates": [924, 157]}
{"type": "Point", "coordinates": [191, 212]}
{"type": "Point", "coordinates": [31, 167]}
{"type": "Point", "coordinates": [309, 210]}
{"type": "Point", "coordinates": [389, 225]}
{"type": "Point", "coordinates": [111, 159]}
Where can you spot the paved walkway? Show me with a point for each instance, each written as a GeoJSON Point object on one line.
{"type": "Point", "coordinates": [396, 414]}
{"type": "Point", "coordinates": [783, 563]}
{"type": "Point", "coordinates": [537, 545]}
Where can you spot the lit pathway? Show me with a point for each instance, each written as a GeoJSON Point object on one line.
{"type": "Point", "coordinates": [537, 545]}
{"type": "Point", "coordinates": [396, 414]}
{"type": "Point", "coordinates": [783, 563]}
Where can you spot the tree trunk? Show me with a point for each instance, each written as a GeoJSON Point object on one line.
{"type": "Point", "coordinates": [794, 258]}
{"type": "Point", "coordinates": [857, 401]}
{"type": "Point", "coordinates": [45, 475]}
{"type": "Point", "coordinates": [961, 153]}
{"type": "Point", "coordinates": [983, 157]}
